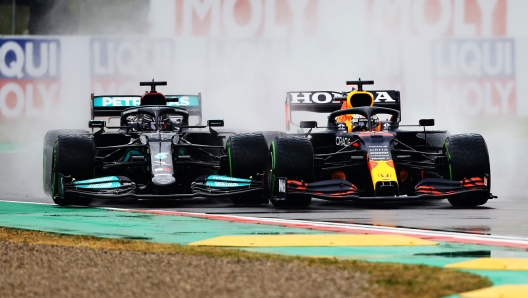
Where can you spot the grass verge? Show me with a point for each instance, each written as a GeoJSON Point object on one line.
{"type": "Point", "coordinates": [393, 280]}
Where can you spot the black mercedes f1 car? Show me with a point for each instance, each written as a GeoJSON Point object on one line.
{"type": "Point", "coordinates": [153, 154]}
{"type": "Point", "coordinates": [364, 154]}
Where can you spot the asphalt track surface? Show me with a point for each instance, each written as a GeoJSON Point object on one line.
{"type": "Point", "coordinates": [21, 172]}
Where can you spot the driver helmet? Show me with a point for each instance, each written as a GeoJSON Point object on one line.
{"type": "Point", "coordinates": [148, 123]}
{"type": "Point", "coordinates": [165, 123]}
{"type": "Point", "coordinates": [360, 123]}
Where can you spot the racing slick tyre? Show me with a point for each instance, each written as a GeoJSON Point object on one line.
{"type": "Point", "coordinates": [49, 141]}
{"type": "Point", "coordinates": [73, 155]}
{"type": "Point", "coordinates": [467, 155]}
{"type": "Point", "coordinates": [290, 157]}
{"type": "Point", "coordinates": [248, 156]}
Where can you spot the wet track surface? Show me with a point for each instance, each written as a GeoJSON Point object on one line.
{"type": "Point", "coordinates": [20, 174]}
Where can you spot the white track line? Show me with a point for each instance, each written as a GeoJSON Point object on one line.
{"type": "Point", "coordinates": [352, 228]}
{"type": "Point", "coordinates": [355, 228]}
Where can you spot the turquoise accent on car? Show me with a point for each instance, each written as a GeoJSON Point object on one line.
{"type": "Point", "coordinates": [100, 185]}
{"type": "Point", "coordinates": [184, 101]}
{"type": "Point", "coordinates": [97, 180]}
{"type": "Point", "coordinates": [228, 179]}
{"type": "Point", "coordinates": [134, 101]}
{"type": "Point", "coordinates": [116, 101]}
{"type": "Point", "coordinates": [161, 155]}
{"type": "Point", "coordinates": [226, 184]}
{"type": "Point", "coordinates": [130, 153]}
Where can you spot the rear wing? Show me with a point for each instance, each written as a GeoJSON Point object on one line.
{"type": "Point", "coordinates": [330, 101]}
{"type": "Point", "coordinates": [114, 105]}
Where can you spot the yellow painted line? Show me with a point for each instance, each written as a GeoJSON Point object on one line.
{"type": "Point", "coordinates": [503, 291]}
{"type": "Point", "coordinates": [313, 240]}
{"type": "Point", "coordinates": [493, 264]}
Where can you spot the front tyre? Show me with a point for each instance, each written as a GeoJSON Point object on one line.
{"type": "Point", "coordinates": [73, 155]}
{"type": "Point", "coordinates": [468, 157]}
{"type": "Point", "coordinates": [290, 157]}
{"type": "Point", "coordinates": [49, 141]}
{"type": "Point", "coordinates": [247, 154]}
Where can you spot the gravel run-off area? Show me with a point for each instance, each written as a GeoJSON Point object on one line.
{"type": "Point", "coordinates": [36, 270]}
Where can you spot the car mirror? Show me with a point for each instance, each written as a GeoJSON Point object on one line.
{"type": "Point", "coordinates": [426, 122]}
{"type": "Point", "coordinates": [96, 124]}
{"type": "Point", "coordinates": [308, 124]}
{"type": "Point", "coordinates": [215, 123]}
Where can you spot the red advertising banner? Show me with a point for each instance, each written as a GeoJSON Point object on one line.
{"type": "Point", "coordinates": [118, 64]}
{"type": "Point", "coordinates": [29, 76]}
{"type": "Point", "coordinates": [475, 76]}
{"type": "Point", "coordinates": [437, 18]}
{"type": "Point", "coordinates": [246, 18]}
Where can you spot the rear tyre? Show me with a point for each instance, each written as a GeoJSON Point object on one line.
{"type": "Point", "coordinates": [468, 157]}
{"type": "Point", "coordinates": [247, 154]}
{"type": "Point", "coordinates": [292, 158]}
{"type": "Point", "coordinates": [272, 135]}
{"type": "Point", "coordinates": [49, 141]}
{"type": "Point", "coordinates": [73, 155]}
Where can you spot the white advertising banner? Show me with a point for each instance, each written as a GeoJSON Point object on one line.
{"type": "Point", "coordinates": [458, 57]}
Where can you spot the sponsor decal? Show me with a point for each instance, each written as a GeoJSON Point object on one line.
{"type": "Point", "coordinates": [116, 63]}
{"type": "Point", "coordinates": [338, 175]}
{"type": "Point", "coordinates": [163, 179]}
{"type": "Point", "coordinates": [185, 101]}
{"type": "Point", "coordinates": [161, 155]}
{"type": "Point", "coordinates": [475, 76]}
{"type": "Point", "coordinates": [282, 185]}
{"type": "Point", "coordinates": [97, 180]}
{"type": "Point", "coordinates": [328, 97]}
{"type": "Point", "coordinates": [225, 184]}
{"type": "Point", "coordinates": [342, 141]}
{"type": "Point", "coordinates": [309, 97]}
{"type": "Point", "coordinates": [106, 101]}
{"type": "Point", "coordinates": [29, 76]}
{"type": "Point", "coordinates": [379, 153]}
{"type": "Point", "coordinates": [118, 101]}
{"type": "Point", "coordinates": [383, 97]}
{"type": "Point", "coordinates": [226, 178]}
{"type": "Point", "coordinates": [248, 18]}
{"type": "Point", "coordinates": [100, 185]}
{"type": "Point", "coordinates": [443, 18]}
{"type": "Point", "coordinates": [384, 175]}
{"type": "Point", "coordinates": [163, 169]}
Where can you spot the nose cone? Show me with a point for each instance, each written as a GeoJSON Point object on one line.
{"type": "Point", "coordinates": [163, 180]}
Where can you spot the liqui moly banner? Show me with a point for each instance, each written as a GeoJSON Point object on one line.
{"type": "Point", "coordinates": [29, 76]}
{"type": "Point", "coordinates": [437, 18]}
{"type": "Point", "coordinates": [475, 76]}
{"type": "Point", "coordinates": [248, 18]}
{"type": "Point", "coordinates": [451, 55]}
{"type": "Point", "coordinates": [118, 64]}
{"type": "Point", "coordinates": [473, 63]}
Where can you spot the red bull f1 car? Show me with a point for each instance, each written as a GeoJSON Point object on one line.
{"type": "Point", "coordinates": [364, 154]}
{"type": "Point", "coordinates": [154, 153]}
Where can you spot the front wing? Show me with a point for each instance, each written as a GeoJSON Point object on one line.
{"type": "Point", "coordinates": [343, 190]}
{"type": "Point", "coordinates": [120, 187]}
